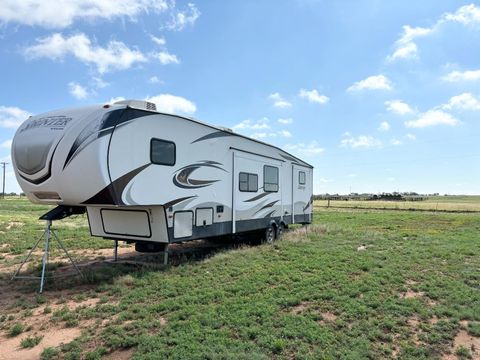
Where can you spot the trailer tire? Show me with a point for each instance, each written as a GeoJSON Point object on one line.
{"type": "Point", "coordinates": [269, 235]}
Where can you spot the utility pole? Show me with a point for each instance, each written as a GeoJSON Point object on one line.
{"type": "Point", "coordinates": [3, 192]}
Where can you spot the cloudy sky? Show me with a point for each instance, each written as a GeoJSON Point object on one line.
{"type": "Point", "coordinates": [377, 95]}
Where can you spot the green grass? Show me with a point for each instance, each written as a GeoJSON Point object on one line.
{"type": "Point", "coordinates": [16, 329]}
{"type": "Point", "coordinates": [30, 341]}
{"type": "Point", "coordinates": [311, 295]}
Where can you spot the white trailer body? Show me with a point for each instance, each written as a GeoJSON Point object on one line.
{"type": "Point", "coordinates": [156, 177]}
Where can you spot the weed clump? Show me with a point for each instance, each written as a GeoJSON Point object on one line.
{"type": "Point", "coordinates": [31, 341]}
{"type": "Point", "coordinates": [16, 329]}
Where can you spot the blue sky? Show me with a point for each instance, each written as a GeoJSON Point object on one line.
{"type": "Point", "coordinates": [377, 95]}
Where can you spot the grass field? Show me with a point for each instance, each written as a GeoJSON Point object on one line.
{"type": "Point", "coordinates": [357, 284]}
{"type": "Point", "coordinates": [433, 203]}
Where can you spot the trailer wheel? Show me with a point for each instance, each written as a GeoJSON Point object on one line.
{"type": "Point", "coordinates": [269, 234]}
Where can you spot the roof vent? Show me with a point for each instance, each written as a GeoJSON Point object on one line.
{"type": "Point", "coordinates": [138, 104]}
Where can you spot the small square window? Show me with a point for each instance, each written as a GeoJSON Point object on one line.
{"type": "Point", "coordinates": [162, 152]}
{"type": "Point", "coordinates": [248, 182]}
{"type": "Point", "coordinates": [301, 178]}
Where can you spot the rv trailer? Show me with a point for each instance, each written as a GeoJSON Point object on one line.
{"type": "Point", "coordinates": [155, 178]}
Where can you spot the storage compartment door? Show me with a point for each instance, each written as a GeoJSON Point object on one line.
{"type": "Point", "coordinates": [182, 224]}
{"type": "Point", "coordinates": [126, 223]}
{"type": "Point", "coordinates": [204, 217]}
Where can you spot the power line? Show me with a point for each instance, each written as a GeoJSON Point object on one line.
{"type": "Point", "coordinates": [3, 192]}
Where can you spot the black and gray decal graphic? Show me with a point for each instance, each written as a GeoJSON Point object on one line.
{"type": "Point", "coordinates": [308, 203]}
{"type": "Point", "coordinates": [112, 194]}
{"type": "Point", "coordinates": [181, 177]}
{"type": "Point", "coordinates": [256, 197]}
{"type": "Point", "coordinates": [213, 136]}
{"type": "Point", "coordinates": [267, 206]}
{"type": "Point", "coordinates": [269, 214]}
{"type": "Point", "coordinates": [94, 130]}
{"type": "Point", "coordinates": [176, 201]}
{"type": "Point", "coordinates": [102, 127]}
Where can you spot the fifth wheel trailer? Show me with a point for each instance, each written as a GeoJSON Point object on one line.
{"type": "Point", "coordinates": [156, 178]}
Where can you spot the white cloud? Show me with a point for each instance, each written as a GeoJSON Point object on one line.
{"type": "Point", "coordinates": [286, 121]}
{"type": "Point", "coordinates": [313, 96]}
{"type": "Point", "coordinates": [12, 117]}
{"type": "Point", "coordinates": [396, 142]}
{"type": "Point", "coordinates": [248, 124]}
{"type": "Point", "coordinates": [262, 135]}
{"type": "Point", "coordinates": [115, 99]}
{"type": "Point", "coordinates": [7, 144]}
{"type": "Point", "coordinates": [433, 118]}
{"type": "Point", "coordinates": [398, 107]}
{"type": "Point", "coordinates": [62, 13]}
{"type": "Point", "coordinates": [359, 141]}
{"type": "Point", "coordinates": [77, 91]}
{"type": "Point", "coordinates": [374, 82]}
{"type": "Point", "coordinates": [468, 75]}
{"type": "Point", "coordinates": [166, 58]}
{"type": "Point", "coordinates": [411, 136]}
{"type": "Point", "coordinates": [158, 40]}
{"type": "Point", "coordinates": [182, 19]}
{"type": "Point", "coordinates": [285, 133]}
{"type": "Point", "coordinates": [154, 80]}
{"type": "Point", "coordinates": [406, 47]}
{"type": "Point", "coordinates": [279, 101]}
{"type": "Point", "coordinates": [384, 126]}
{"type": "Point", "coordinates": [172, 104]}
{"type": "Point", "coordinates": [466, 15]}
{"type": "Point", "coordinates": [465, 101]}
{"type": "Point", "coordinates": [302, 149]}
{"type": "Point", "coordinates": [99, 83]}
{"type": "Point", "coordinates": [115, 56]}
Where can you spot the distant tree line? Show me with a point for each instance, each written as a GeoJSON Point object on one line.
{"type": "Point", "coordinates": [395, 196]}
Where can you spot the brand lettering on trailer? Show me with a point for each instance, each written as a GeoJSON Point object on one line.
{"type": "Point", "coordinates": [54, 122]}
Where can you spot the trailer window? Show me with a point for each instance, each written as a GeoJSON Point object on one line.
{"type": "Point", "coordinates": [301, 177]}
{"type": "Point", "coordinates": [270, 178]}
{"type": "Point", "coordinates": [248, 182]}
{"type": "Point", "coordinates": [162, 152]}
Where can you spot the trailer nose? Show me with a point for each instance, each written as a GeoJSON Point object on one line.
{"type": "Point", "coordinates": [34, 145]}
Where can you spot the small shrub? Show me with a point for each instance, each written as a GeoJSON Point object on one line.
{"type": "Point", "coordinates": [49, 353]}
{"type": "Point", "coordinates": [47, 310]}
{"type": "Point", "coordinates": [474, 329]}
{"type": "Point", "coordinates": [462, 352]}
{"type": "Point", "coordinates": [71, 322]}
{"type": "Point", "coordinates": [126, 280]}
{"type": "Point", "coordinates": [40, 299]}
{"type": "Point", "coordinates": [16, 329]}
{"type": "Point", "coordinates": [31, 341]}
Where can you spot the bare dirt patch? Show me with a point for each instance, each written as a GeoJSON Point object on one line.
{"type": "Point", "coordinates": [298, 309]}
{"type": "Point", "coordinates": [463, 338]}
{"type": "Point", "coordinates": [120, 354]}
{"type": "Point", "coordinates": [327, 317]}
{"type": "Point", "coordinates": [11, 348]}
{"type": "Point", "coordinates": [410, 294]}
